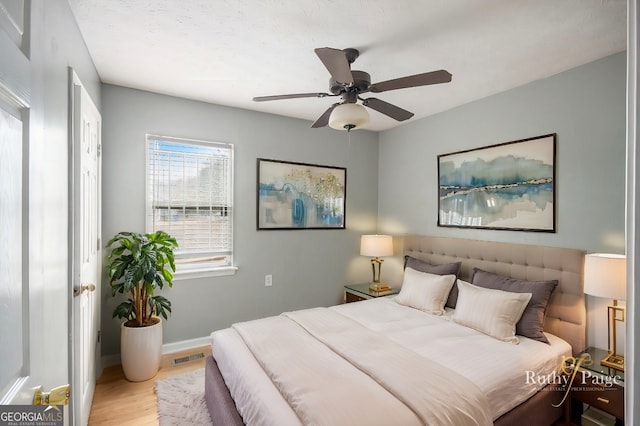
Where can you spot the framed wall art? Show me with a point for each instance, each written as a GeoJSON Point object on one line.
{"type": "Point", "coordinates": [509, 186]}
{"type": "Point", "coordinates": [300, 196]}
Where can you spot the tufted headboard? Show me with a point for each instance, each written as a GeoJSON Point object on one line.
{"type": "Point", "coordinates": [566, 317]}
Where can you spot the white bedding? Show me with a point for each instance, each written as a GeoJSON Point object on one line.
{"type": "Point", "coordinates": [497, 368]}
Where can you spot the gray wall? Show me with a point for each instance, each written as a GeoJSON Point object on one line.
{"type": "Point", "coordinates": [54, 45]}
{"type": "Point", "coordinates": [585, 106]}
{"type": "Point", "coordinates": [309, 267]}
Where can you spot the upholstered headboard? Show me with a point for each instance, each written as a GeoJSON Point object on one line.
{"type": "Point", "coordinates": [566, 317]}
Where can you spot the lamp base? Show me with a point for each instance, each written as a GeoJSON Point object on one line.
{"type": "Point", "coordinates": [614, 361]}
{"type": "Point", "coordinates": [378, 287]}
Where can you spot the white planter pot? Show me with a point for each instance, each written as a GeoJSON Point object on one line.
{"type": "Point", "coordinates": [141, 351]}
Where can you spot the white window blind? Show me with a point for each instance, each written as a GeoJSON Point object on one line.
{"type": "Point", "coordinates": [190, 196]}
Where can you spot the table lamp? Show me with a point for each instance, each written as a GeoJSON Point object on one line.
{"type": "Point", "coordinates": [605, 275]}
{"type": "Point", "coordinates": [376, 246]}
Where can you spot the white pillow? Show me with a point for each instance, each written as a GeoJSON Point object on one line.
{"type": "Point", "coordinates": [424, 291]}
{"type": "Point", "coordinates": [493, 312]}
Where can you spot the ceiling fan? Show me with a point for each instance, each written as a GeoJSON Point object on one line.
{"type": "Point", "coordinates": [350, 84]}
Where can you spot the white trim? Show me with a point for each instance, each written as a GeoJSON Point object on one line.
{"type": "Point", "coordinates": [109, 361]}
{"type": "Point", "coordinates": [184, 345]}
{"type": "Point", "coordinates": [204, 273]}
{"type": "Point", "coordinates": [632, 356]}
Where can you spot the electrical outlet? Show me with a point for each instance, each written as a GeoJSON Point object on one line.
{"type": "Point", "coordinates": [268, 280]}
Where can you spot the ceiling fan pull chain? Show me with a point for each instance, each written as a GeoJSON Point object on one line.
{"type": "Point", "coordinates": [348, 148]}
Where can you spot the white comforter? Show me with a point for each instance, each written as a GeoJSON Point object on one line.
{"type": "Point", "coordinates": [342, 373]}
{"type": "Point", "coordinates": [499, 369]}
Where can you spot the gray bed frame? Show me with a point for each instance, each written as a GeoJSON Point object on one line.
{"type": "Point", "coordinates": [565, 314]}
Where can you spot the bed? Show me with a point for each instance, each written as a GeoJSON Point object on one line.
{"type": "Point", "coordinates": [255, 372]}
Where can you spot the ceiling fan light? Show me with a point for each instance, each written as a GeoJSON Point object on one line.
{"type": "Point", "coordinates": [348, 117]}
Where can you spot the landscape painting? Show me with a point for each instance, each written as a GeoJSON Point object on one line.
{"type": "Point", "coordinates": [300, 196]}
{"type": "Point", "coordinates": [510, 186]}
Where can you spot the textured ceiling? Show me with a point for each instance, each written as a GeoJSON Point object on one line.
{"type": "Point", "coordinates": [228, 51]}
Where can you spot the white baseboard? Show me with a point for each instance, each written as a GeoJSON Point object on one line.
{"type": "Point", "coordinates": [185, 345]}
{"type": "Point", "coordinates": [167, 348]}
{"type": "Point", "coordinates": [109, 360]}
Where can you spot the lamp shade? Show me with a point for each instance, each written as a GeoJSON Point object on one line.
{"type": "Point", "coordinates": [348, 116]}
{"type": "Point", "coordinates": [376, 245]}
{"type": "Point", "coordinates": [605, 275]}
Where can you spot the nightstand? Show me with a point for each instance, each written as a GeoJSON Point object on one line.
{"type": "Point", "coordinates": [598, 386]}
{"type": "Point", "coordinates": [358, 292]}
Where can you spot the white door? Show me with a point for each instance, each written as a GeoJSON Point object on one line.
{"type": "Point", "coordinates": [86, 256]}
{"type": "Point", "coordinates": [22, 322]}
{"type": "Point", "coordinates": [13, 304]}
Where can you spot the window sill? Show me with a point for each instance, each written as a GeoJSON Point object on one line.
{"type": "Point", "coordinates": [204, 273]}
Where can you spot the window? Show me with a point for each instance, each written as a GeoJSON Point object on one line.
{"type": "Point", "coordinates": [190, 196]}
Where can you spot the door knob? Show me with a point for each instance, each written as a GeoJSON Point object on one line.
{"type": "Point", "coordinates": [77, 291]}
{"type": "Point", "coordinates": [57, 396]}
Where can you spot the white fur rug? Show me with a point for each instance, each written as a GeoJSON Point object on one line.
{"type": "Point", "coordinates": [181, 400]}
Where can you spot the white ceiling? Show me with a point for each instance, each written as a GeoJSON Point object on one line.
{"type": "Point", "coordinates": [228, 51]}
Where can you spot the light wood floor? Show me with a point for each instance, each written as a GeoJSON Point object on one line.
{"type": "Point", "coordinates": [120, 402]}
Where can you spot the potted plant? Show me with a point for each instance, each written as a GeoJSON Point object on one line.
{"type": "Point", "coordinates": [137, 265]}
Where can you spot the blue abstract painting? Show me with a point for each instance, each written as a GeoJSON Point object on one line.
{"type": "Point", "coordinates": [300, 196]}
{"type": "Point", "coordinates": [505, 186]}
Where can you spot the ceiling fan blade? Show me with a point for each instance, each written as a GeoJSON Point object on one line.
{"type": "Point", "coordinates": [386, 108]}
{"type": "Point", "coordinates": [433, 77]}
{"type": "Point", "coordinates": [292, 96]}
{"type": "Point", "coordinates": [323, 120]}
{"type": "Point", "coordinates": [335, 60]}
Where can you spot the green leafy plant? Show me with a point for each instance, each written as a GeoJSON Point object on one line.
{"type": "Point", "coordinates": [137, 265]}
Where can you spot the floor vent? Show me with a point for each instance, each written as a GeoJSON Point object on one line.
{"type": "Point", "coordinates": [189, 358]}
